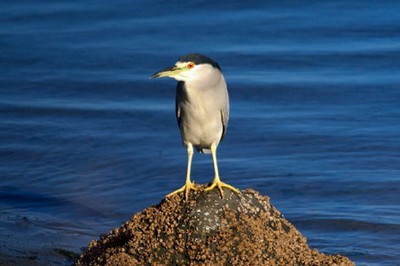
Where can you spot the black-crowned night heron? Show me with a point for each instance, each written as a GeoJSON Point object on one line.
{"type": "Point", "coordinates": [202, 110]}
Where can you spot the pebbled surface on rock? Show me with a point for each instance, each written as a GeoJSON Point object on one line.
{"type": "Point", "coordinates": [240, 229]}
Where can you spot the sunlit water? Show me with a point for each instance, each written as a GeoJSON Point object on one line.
{"type": "Point", "coordinates": [87, 139]}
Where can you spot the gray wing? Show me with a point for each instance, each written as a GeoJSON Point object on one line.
{"type": "Point", "coordinates": [178, 99]}
{"type": "Point", "coordinates": [225, 116]}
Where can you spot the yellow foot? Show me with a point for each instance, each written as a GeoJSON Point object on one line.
{"type": "Point", "coordinates": [220, 185]}
{"type": "Point", "coordinates": [186, 188]}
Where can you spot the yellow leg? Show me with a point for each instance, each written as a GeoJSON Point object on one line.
{"type": "Point", "coordinates": [217, 181]}
{"type": "Point", "coordinates": [188, 185]}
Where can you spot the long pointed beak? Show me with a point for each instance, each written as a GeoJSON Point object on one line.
{"type": "Point", "coordinates": [168, 72]}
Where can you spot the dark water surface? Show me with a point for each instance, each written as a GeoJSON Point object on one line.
{"type": "Point", "coordinates": [87, 139]}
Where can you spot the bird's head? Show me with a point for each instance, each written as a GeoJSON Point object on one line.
{"type": "Point", "coordinates": [190, 67]}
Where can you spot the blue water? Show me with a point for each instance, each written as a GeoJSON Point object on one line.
{"type": "Point", "coordinates": [87, 139]}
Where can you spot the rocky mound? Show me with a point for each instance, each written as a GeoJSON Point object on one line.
{"type": "Point", "coordinates": [241, 229]}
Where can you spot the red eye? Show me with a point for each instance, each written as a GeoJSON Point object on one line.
{"type": "Point", "coordinates": [190, 65]}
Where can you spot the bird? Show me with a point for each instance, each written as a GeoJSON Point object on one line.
{"type": "Point", "coordinates": [202, 112]}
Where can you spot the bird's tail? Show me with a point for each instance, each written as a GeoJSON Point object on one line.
{"type": "Point", "coordinates": [206, 151]}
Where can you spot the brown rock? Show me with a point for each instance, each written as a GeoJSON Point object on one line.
{"type": "Point", "coordinates": [241, 229]}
